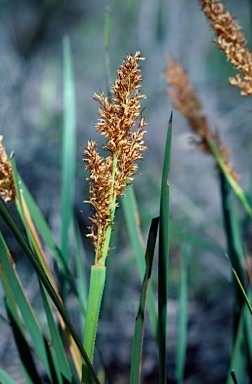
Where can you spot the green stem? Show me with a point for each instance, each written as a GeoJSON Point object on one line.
{"type": "Point", "coordinates": [234, 185]}
{"type": "Point", "coordinates": [97, 283]}
{"type": "Point", "coordinates": [97, 279]}
{"type": "Point", "coordinates": [242, 290]}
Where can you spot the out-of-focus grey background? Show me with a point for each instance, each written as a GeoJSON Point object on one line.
{"type": "Point", "coordinates": [31, 109]}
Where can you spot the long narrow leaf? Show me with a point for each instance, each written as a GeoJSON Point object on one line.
{"type": "Point", "coordinates": [248, 338]}
{"type": "Point", "coordinates": [131, 214]}
{"type": "Point", "coordinates": [38, 250]}
{"type": "Point", "coordinates": [39, 220]}
{"type": "Point", "coordinates": [238, 191]}
{"type": "Point", "coordinates": [237, 362]}
{"type": "Point", "coordinates": [23, 347]}
{"type": "Point", "coordinates": [235, 255]}
{"type": "Point", "coordinates": [233, 238]}
{"type": "Point", "coordinates": [27, 313]}
{"type": "Point", "coordinates": [242, 290]}
{"type": "Point", "coordinates": [5, 378]}
{"type": "Point", "coordinates": [135, 373]}
{"type": "Point", "coordinates": [69, 151]}
{"type": "Point", "coordinates": [163, 257]}
{"type": "Point", "coordinates": [182, 316]}
{"type": "Point", "coordinates": [56, 341]}
{"type": "Point", "coordinates": [43, 278]}
{"type": "Point", "coordinates": [45, 232]}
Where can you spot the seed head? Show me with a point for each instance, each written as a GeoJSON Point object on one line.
{"type": "Point", "coordinates": [109, 176]}
{"type": "Point", "coordinates": [186, 101]}
{"type": "Point", "coordinates": [232, 41]}
{"type": "Point", "coordinates": [7, 185]}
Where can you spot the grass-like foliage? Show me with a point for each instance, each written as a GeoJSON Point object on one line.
{"type": "Point", "coordinates": [65, 355]}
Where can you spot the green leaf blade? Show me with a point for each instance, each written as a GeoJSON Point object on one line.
{"type": "Point", "coordinates": [131, 214]}
{"type": "Point", "coordinates": [183, 316]}
{"type": "Point", "coordinates": [69, 150]}
{"type": "Point", "coordinates": [135, 373]}
{"type": "Point", "coordinates": [44, 279]}
{"type": "Point", "coordinates": [5, 378]}
{"type": "Point", "coordinates": [163, 256]}
{"type": "Point", "coordinates": [24, 306]}
{"type": "Point", "coordinates": [63, 365]}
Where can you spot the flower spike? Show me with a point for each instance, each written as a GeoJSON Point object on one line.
{"type": "Point", "coordinates": [7, 185]}
{"type": "Point", "coordinates": [109, 176]}
{"type": "Point", "coordinates": [186, 101]}
{"type": "Point", "coordinates": [232, 41]}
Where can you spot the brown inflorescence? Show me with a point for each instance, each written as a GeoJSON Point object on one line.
{"type": "Point", "coordinates": [7, 185]}
{"type": "Point", "coordinates": [232, 41]}
{"type": "Point", "coordinates": [186, 101]}
{"type": "Point", "coordinates": [108, 177]}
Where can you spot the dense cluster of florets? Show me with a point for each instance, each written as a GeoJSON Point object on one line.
{"type": "Point", "coordinates": [7, 185]}
{"type": "Point", "coordinates": [232, 41]}
{"type": "Point", "coordinates": [109, 176]}
{"type": "Point", "coordinates": [186, 101]}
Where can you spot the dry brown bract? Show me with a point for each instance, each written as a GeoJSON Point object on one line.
{"type": "Point", "coordinates": [232, 41]}
{"type": "Point", "coordinates": [117, 116]}
{"type": "Point", "coordinates": [7, 185]}
{"type": "Point", "coordinates": [186, 101]}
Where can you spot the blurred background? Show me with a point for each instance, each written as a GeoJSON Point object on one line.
{"type": "Point", "coordinates": [31, 111]}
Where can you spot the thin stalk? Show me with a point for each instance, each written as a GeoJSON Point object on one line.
{"type": "Point", "coordinates": [238, 191]}
{"type": "Point", "coordinates": [242, 290]}
{"type": "Point", "coordinates": [97, 283]}
{"type": "Point", "coordinates": [234, 245]}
